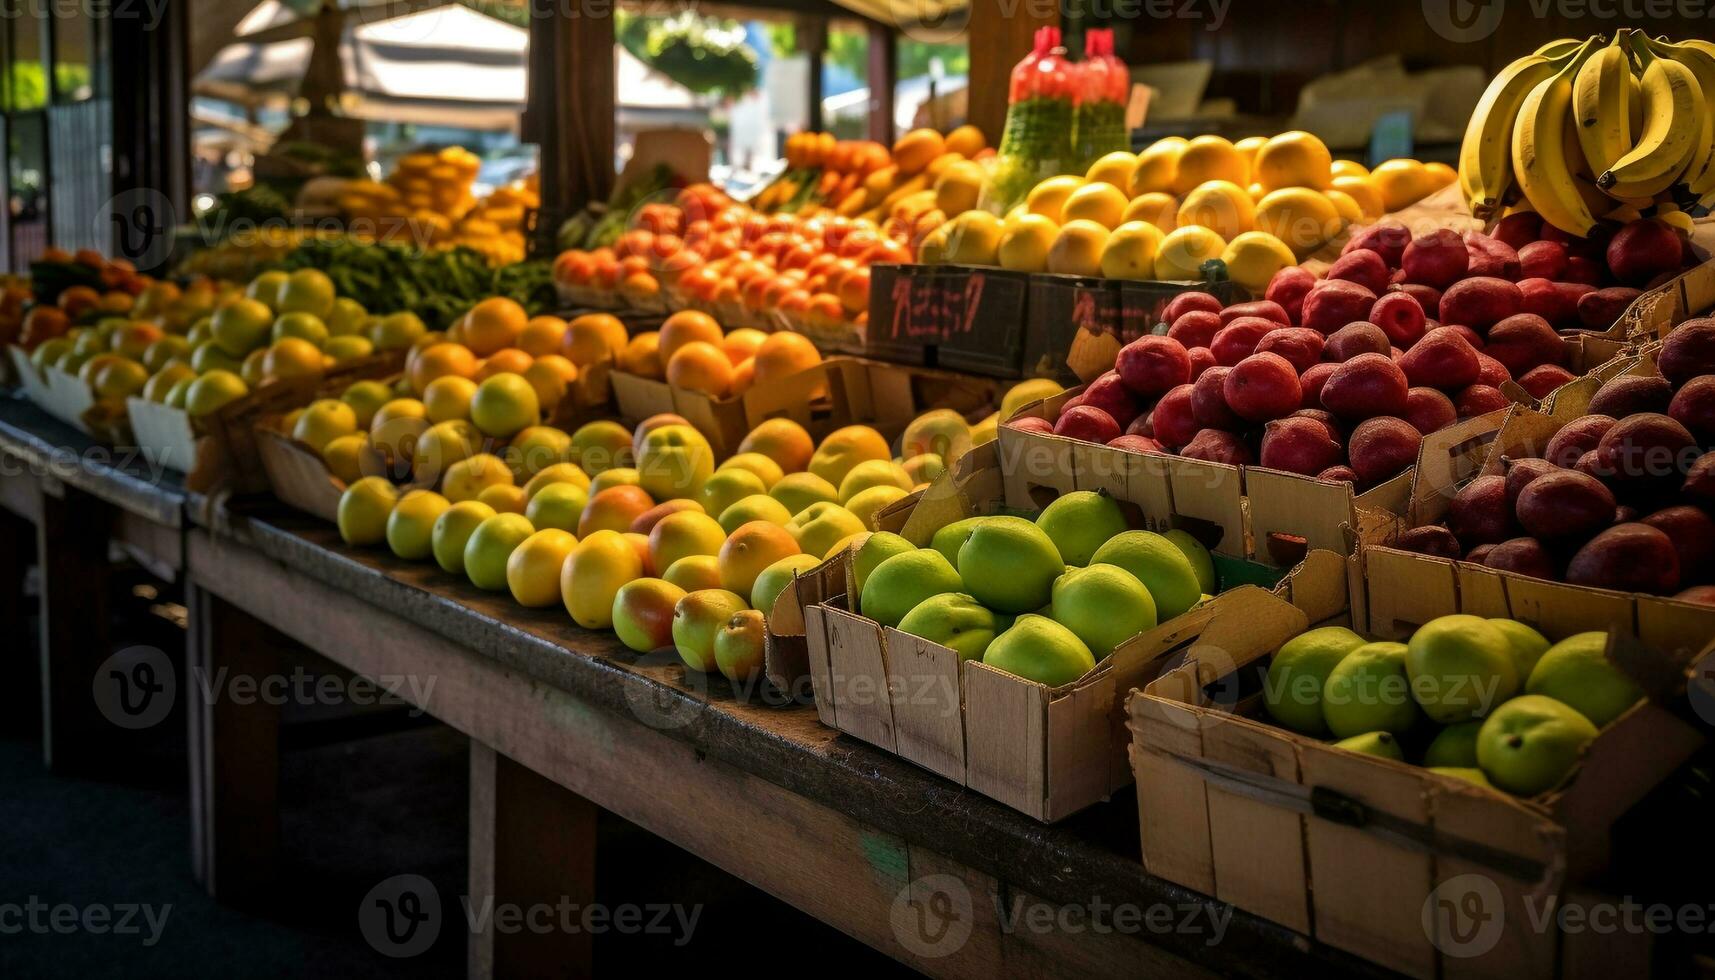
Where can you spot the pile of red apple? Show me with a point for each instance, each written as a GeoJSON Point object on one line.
{"type": "Point", "coordinates": [1621, 498]}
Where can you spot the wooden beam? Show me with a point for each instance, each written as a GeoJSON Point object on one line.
{"type": "Point", "coordinates": [813, 41]}
{"type": "Point", "coordinates": [883, 79]}
{"type": "Point", "coordinates": [571, 109]}
{"type": "Point", "coordinates": [532, 844]}
{"type": "Point", "coordinates": [1001, 33]}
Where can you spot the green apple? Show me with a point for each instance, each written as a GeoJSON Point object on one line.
{"type": "Point", "coordinates": [739, 646]}
{"type": "Point", "coordinates": [1009, 565]}
{"type": "Point", "coordinates": [1461, 667]}
{"type": "Point", "coordinates": [950, 538]}
{"type": "Point", "coordinates": [1529, 744]}
{"type": "Point", "coordinates": [776, 577]}
{"type": "Point", "coordinates": [306, 326]}
{"type": "Point", "coordinates": [1454, 746]}
{"type": "Point", "coordinates": [1576, 671]}
{"type": "Point", "coordinates": [364, 509]}
{"type": "Point", "coordinates": [899, 583]}
{"type": "Point", "coordinates": [365, 399]}
{"type": "Point", "coordinates": [557, 505]}
{"type": "Point", "coordinates": [1528, 645]}
{"type": "Point", "coordinates": [873, 473]}
{"type": "Point", "coordinates": [697, 619]}
{"type": "Point", "coordinates": [1161, 567]}
{"type": "Point", "coordinates": [602, 445]}
{"type": "Point", "coordinates": [1300, 668]}
{"type": "Point", "coordinates": [535, 449]}
{"type": "Point", "coordinates": [1039, 649]}
{"type": "Point", "coordinates": [1381, 744]}
{"type": "Point", "coordinates": [726, 488]}
{"type": "Point", "coordinates": [1201, 561]}
{"type": "Point", "coordinates": [1080, 522]}
{"type": "Point", "coordinates": [818, 527]}
{"type": "Point", "coordinates": [411, 526]}
{"type": "Point", "coordinates": [241, 326]}
{"type": "Point", "coordinates": [674, 461]}
{"type": "Point", "coordinates": [756, 507]}
{"type": "Point", "coordinates": [1469, 774]}
{"type": "Point", "coordinates": [798, 491]}
{"type": "Point", "coordinates": [452, 532]}
{"type": "Point", "coordinates": [1369, 691]}
{"type": "Point", "coordinates": [490, 546]}
{"type": "Point", "coordinates": [954, 620]}
{"type": "Point", "coordinates": [1103, 605]}
{"type": "Point", "coordinates": [877, 548]}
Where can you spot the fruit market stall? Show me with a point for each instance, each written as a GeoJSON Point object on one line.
{"type": "Point", "coordinates": [1310, 561]}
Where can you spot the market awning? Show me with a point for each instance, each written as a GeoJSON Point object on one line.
{"type": "Point", "coordinates": [448, 66]}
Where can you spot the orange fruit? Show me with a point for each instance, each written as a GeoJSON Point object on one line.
{"type": "Point", "coordinates": [741, 345]}
{"type": "Point", "coordinates": [542, 335]}
{"type": "Point", "coordinates": [784, 354]}
{"type": "Point", "coordinates": [642, 356]}
{"type": "Point", "coordinates": [743, 376]}
{"type": "Point", "coordinates": [688, 326]}
{"type": "Point", "coordinates": [493, 324]}
{"type": "Point", "coordinates": [594, 337]}
{"type": "Point", "coordinates": [439, 360]}
{"type": "Point", "coordinates": [508, 361]}
{"type": "Point", "coordinates": [783, 441]}
{"type": "Point", "coordinates": [700, 366]}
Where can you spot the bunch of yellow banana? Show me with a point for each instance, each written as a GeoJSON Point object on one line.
{"type": "Point", "coordinates": [1581, 129]}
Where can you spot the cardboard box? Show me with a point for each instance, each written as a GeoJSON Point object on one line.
{"type": "Point", "coordinates": [31, 381]}
{"type": "Point", "coordinates": [68, 398]}
{"type": "Point", "coordinates": [840, 391]}
{"type": "Point", "coordinates": [1659, 310]}
{"type": "Point", "coordinates": [1271, 515]}
{"type": "Point", "coordinates": [1047, 752]}
{"type": "Point", "coordinates": [1350, 849]}
{"type": "Point", "coordinates": [1520, 432]}
{"type": "Point", "coordinates": [1071, 322]}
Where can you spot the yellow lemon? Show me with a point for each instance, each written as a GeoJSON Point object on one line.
{"type": "Point", "coordinates": [1363, 192]}
{"type": "Point", "coordinates": [973, 238]}
{"type": "Point", "coordinates": [1024, 247]}
{"type": "Point", "coordinates": [1254, 257]}
{"type": "Point", "coordinates": [1299, 216]}
{"type": "Point", "coordinates": [1130, 251]}
{"type": "Point", "coordinates": [1295, 159]}
{"type": "Point", "coordinates": [1351, 212]}
{"type": "Point", "coordinates": [1116, 168]}
{"type": "Point", "coordinates": [1183, 252]}
{"type": "Point", "coordinates": [1100, 202]}
{"type": "Point", "coordinates": [1157, 166]}
{"type": "Point", "coordinates": [1440, 174]}
{"type": "Point", "coordinates": [1077, 249]}
{"type": "Point", "coordinates": [1401, 183]}
{"type": "Point", "coordinates": [1156, 207]}
{"type": "Point", "coordinates": [1249, 146]}
{"type": "Point", "coordinates": [1049, 197]}
{"type": "Point", "coordinates": [1348, 168]}
{"type": "Point", "coordinates": [1221, 206]}
{"type": "Point", "coordinates": [1210, 158]}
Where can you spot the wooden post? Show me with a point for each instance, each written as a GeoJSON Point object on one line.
{"type": "Point", "coordinates": [20, 698]}
{"type": "Point", "coordinates": [572, 105]}
{"type": "Point", "coordinates": [813, 41]}
{"type": "Point", "coordinates": [532, 844]}
{"type": "Point", "coordinates": [883, 78]}
{"type": "Point", "coordinates": [71, 550]}
{"type": "Point", "coordinates": [1000, 33]}
{"type": "Point", "coordinates": [150, 67]}
{"type": "Point", "coordinates": [234, 751]}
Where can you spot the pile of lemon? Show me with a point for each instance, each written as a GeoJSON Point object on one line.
{"type": "Point", "coordinates": [1259, 205]}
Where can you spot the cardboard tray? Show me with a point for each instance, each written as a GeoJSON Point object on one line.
{"type": "Point", "coordinates": [1268, 514]}
{"type": "Point", "coordinates": [1659, 310]}
{"type": "Point", "coordinates": [1519, 432]}
{"type": "Point", "coordinates": [840, 391]}
{"type": "Point", "coordinates": [1291, 829]}
{"type": "Point", "coordinates": [1046, 752]}
{"type": "Point", "coordinates": [66, 397]}
{"type": "Point", "coordinates": [31, 381]}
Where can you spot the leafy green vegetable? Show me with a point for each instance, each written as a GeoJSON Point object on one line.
{"type": "Point", "coordinates": [437, 286]}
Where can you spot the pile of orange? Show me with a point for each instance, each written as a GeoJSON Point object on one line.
{"type": "Point", "coordinates": [692, 351]}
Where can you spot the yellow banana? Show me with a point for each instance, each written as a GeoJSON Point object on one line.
{"type": "Point", "coordinates": [1700, 171]}
{"type": "Point", "coordinates": [1539, 147]}
{"type": "Point", "coordinates": [1485, 164]}
{"type": "Point", "coordinates": [1599, 106]}
{"type": "Point", "coordinates": [1672, 127]}
{"type": "Point", "coordinates": [1559, 49]}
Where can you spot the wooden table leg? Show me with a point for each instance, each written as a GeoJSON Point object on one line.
{"type": "Point", "coordinates": [234, 751]}
{"type": "Point", "coordinates": [20, 690]}
{"type": "Point", "coordinates": [532, 844]}
{"type": "Point", "coordinates": [72, 538]}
